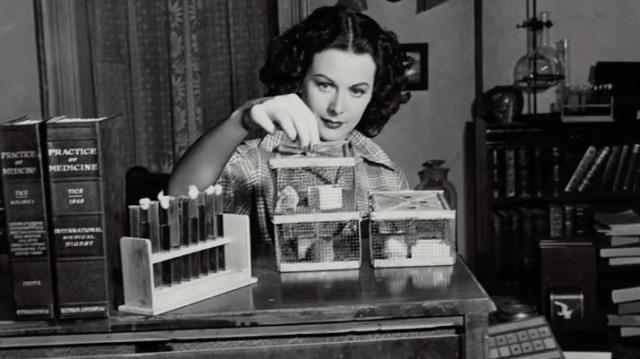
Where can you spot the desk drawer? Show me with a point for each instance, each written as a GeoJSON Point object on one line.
{"type": "Point", "coordinates": [412, 345]}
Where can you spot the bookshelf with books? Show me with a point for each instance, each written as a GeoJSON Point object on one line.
{"type": "Point", "coordinates": [532, 190]}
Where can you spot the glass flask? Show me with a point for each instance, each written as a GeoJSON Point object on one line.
{"type": "Point", "coordinates": [538, 69]}
{"type": "Point", "coordinates": [434, 177]}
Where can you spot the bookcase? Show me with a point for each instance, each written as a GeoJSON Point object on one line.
{"type": "Point", "coordinates": [531, 190]}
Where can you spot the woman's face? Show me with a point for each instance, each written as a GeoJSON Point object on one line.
{"type": "Point", "coordinates": [337, 88]}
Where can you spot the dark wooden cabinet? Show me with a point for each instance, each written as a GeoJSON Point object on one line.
{"type": "Point", "coordinates": [421, 312]}
{"type": "Point", "coordinates": [530, 232]}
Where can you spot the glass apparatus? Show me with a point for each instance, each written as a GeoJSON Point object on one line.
{"type": "Point", "coordinates": [540, 68]}
{"type": "Point", "coordinates": [434, 177]}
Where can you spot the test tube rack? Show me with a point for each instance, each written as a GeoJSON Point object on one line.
{"type": "Point", "coordinates": [143, 296]}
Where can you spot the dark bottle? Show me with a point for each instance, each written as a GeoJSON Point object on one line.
{"type": "Point", "coordinates": [434, 177]}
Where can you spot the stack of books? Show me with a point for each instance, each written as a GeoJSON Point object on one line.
{"type": "Point", "coordinates": [621, 250]}
{"type": "Point", "coordinates": [621, 241]}
{"type": "Point", "coordinates": [627, 316]}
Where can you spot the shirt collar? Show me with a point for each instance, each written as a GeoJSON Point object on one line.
{"type": "Point", "coordinates": [362, 146]}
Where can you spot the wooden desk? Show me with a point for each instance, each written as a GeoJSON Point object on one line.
{"type": "Point", "coordinates": [424, 312]}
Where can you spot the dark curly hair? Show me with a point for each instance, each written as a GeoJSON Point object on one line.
{"type": "Point", "coordinates": [335, 27]}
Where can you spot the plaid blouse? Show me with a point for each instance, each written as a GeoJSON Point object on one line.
{"type": "Point", "coordinates": [248, 184]}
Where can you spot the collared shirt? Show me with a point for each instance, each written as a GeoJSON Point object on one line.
{"type": "Point", "coordinates": [248, 184]}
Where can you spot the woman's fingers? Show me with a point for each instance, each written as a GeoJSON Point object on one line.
{"type": "Point", "coordinates": [286, 124]}
{"type": "Point", "coordinates": [289, 113]}
{"type": "Point", "coordinates": [261, 118]}
{"type": "Point", "coordinates": [307, 117]}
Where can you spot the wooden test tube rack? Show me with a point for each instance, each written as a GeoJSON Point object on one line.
{"type": "Point", "coordinates": [140, 295]}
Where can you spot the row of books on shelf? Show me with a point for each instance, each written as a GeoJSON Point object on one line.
{"type": "Point", "coordinates": [63, 182]}
{"type": "Point", "coordinates": [516, 233]}
{"type": "Point", "coordinates": [540, 171]}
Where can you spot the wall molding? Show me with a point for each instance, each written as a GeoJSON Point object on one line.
{"type": "Point", "coordinates": [64, 57]}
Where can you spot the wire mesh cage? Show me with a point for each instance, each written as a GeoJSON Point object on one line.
{"type": "Point", "coordinates": [411, 228]}
{"type": "Point", "coordinates": [320, 180]}
{"type": "Point", "coordinates": [317, 241]}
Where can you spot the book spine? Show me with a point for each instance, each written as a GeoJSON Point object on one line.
{"type": "Point", "coordinates": [626, 332]}
{"type": "Point", "coordinates": [524, 172]}
{"type": "Point", "coordinates": [618, 179]}
{"type": "Point", "coordinates": [517, 248]}
{"type": "Point", "coordinates": [595, 168]}
{"type": "Point", "coordinates": [510, 169]}
{"type": "Point", "coordinates": [581, 170]}
{"type": "Point", "coordinates": [497, 173]}
{"type": "Point", "coordinates": [610, 169]}
{"type": "Point", "coordinates": [616, 241]}
{"type": "Point", "coordinates": [25, 192]}
{"type": "Point", "coordinates": [630, 175]}
{"type": "Point", "coordinates": [498, 258]}
{"type": "Point", "coordinates": [528, 244]}
{"type": "Point", "coordinates": [625, 294]}
{"type": "Point", "coordinates": [538, 172]}
{"type": "Point", "coordinates": [87, 166]}
{"type": "Point", "coordinates": [583, 220]}
{"type": "Point", "coordinates": [629, 308]}
{"type": "Point", "coordinates": [624, 261]}
{"type": "Point", "coordinates": [556, 221]}
{"type": "Point", "coordinates": [623, 320]}
{"type": "Point", "coordinates": [556, 171]}
{"type": "Point", "coordinates": [569, 220]}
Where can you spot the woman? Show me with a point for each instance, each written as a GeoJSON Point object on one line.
{"type": "Point", "coordinates": [335, 76]}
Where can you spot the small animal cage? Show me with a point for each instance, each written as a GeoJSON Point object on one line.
{"type": "Point", "coordinates": [320, 180]}
{"type": "Point", "coordinates": [323, 241]}
{"type": "Point", "coordinates": [411, 228]}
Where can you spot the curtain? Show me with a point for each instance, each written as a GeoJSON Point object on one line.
{"type": "Point", "coordinates": [175, 68]}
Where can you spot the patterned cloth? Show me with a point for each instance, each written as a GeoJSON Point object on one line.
{"type": "Point", "coordinates": [248, 182]}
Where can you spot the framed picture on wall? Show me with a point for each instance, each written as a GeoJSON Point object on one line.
{"type": "Point", "coordinates": [418, 73]}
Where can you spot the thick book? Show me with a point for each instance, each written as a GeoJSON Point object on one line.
{"type": "Point", "coordinates": [623, 163]}
{"type": "Point", "coordinates": [619, 252]}
{"type": "Point", "coordinates": [497, 173]}
{"type": "Point", "coordinates": [24, 180]}
{"type": "Point", "coordinates": [629, 308]}
{"type": "Point", "coordinates": [581, 170]}
{"type": "Point", "coordinates": [624, 261]}
{"type": "Point", "coordinates": [622, 295]}
{"type": "Point", "coordinates": [529, 242]}
{"type": "Point", "coordinates": [583, 220]}
{"type": "Point", "coordinates": [510, 172]}
{"type": "Point", "coordinates": [610, 169]}
{"type": "Point", "coordinates": [630, 174]}
{"type": "Point", "coordinates": [556, 221]}
{"type": "Point", "coordinates": [595, 169]}
{"type": "Point", "coordinates": [539, 174]}
{"type": "Point", "coordinates": [617, 241]}
{"type": "Point", "coordinates": [618, 223]}
{"type": "Point", "coordinates": [498, 252]}
{"type": "Point", "coordinates": [623, 320]}
{"type": "Point", "coordinates": [88, 160]}
{"type": "Point", "coordinates": [626, 332]}
{"type": "Point", "coordinates": [523, 172]}
{"type": "Point", "coordinates": [556, 171]}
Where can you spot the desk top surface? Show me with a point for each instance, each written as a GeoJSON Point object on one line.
{"type": "Point", "coordinates": [303, 298]}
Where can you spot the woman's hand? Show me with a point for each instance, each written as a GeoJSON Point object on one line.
{"type": "Point", "coordinates": [286, 112]}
